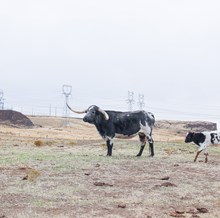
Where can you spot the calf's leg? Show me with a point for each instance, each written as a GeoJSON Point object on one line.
{"type": "Point", "coordinates": [197, 154]}
{"type": "Point", "coordinates": [206, 157]}
{"type": "Point", "coordinates": [202, 147]}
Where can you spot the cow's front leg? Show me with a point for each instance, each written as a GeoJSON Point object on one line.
{"type": "Point", "coordinates": [109, 143]}
{"type": "Point", "coordinates": [142, 138]}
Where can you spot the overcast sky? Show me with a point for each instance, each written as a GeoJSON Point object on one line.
{"type": "Point", "coordinates": [169, 51]}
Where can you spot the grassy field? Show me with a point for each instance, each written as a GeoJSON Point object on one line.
{"type": "Point", "coordinates": [71, 177]}
{"type": "Point", "coordinates": [80, 181]}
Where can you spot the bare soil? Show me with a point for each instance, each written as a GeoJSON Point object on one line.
{"type": "Point", "coordinates": [56, 171]}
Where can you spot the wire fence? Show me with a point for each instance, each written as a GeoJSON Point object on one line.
{"type": "Point", "coordinates": [37, 110]}
{"type": "Point", "coordinates": [159, 112]}
{"type": "Point", "coordinates": [167, 111]}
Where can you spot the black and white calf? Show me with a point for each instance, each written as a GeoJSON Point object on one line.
{"type": "Point", "coordinates": [203, 139]}
{"type": "Point", "coordinates": [115, 124]}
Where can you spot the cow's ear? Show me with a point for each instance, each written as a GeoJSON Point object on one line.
{"type": "Point", "coordinates": [192, 134]}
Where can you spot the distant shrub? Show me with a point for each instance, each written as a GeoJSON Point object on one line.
{"type": "Point", "coordinates": [72, 143]}
{"type": "Point", "coordinates": [39, 143]}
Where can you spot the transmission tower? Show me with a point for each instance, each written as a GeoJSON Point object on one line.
{"type": "Point", "coordinates": [67, 90]}
{"type": "Point", "coordinates": [141, 103]}
{"type": "Point", "coordinates": [1, 100]}
{"type": "Point", "coordinates": [130, 101]}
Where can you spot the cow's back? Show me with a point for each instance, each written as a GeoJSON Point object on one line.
{"type": "Point", "coordinates": [128, 123]}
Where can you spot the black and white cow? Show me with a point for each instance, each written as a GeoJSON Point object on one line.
{"type": "Point", "coordinates": [203, 139]}
{"type": "Point", "coordinates": [115, 124]}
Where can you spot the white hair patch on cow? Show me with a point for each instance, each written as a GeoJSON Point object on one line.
{"type": "Point", "coordinates": [145, 129]}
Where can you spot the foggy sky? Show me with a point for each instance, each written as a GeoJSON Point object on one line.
{"type": "Point", "coordinates": [167, 50]}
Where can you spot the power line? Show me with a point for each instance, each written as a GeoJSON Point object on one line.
{"type": "Point", "coordinates": [186, 113]}
{"type": "Point", "coordinates": [173, 110]}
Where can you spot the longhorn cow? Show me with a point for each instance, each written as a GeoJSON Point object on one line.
{"type": "Point", "coordinates": [116, 124]}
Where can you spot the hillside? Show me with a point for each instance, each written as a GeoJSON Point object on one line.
{"type": "Point", "coordinates": [14, 118]}
{"type": "Point", "coordinates": [165, 130]}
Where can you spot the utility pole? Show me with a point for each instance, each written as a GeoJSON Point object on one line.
{"type": "Point", "coordinates": [55, 111]}
{"type": "Point", "coordinates": [141, 103]}
{"type": "Point", "coordinates": [67, 92]}
{"type": "Point", "coordinates": [50, 108]}
{"type": "Point", "coordinates": [130, 101]}
{"type": "Point", "coordinates": [1, 100]}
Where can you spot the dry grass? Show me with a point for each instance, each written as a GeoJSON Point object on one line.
{"type": "Point", "coordinates": [39, 143]}
{"type": "Point", "coordinates": [59, 180]}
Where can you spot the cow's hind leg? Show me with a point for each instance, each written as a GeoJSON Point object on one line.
{"type": "Point", "coordinates": [151, 145]}
{"type": "Point", "coordinates": [148, 136]}
{"type": "Point", "coordinates": [109, 147]}
{"type": "Point", "coordinates": [142, 138]}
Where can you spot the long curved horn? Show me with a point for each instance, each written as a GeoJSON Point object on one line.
{"type": "Point", "coordinates": [78, 112]}
{"type": "Point", "coordinates": [104, 113]}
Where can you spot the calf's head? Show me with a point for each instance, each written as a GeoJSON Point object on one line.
{"type": "Point", "coordinates": [189, 137]}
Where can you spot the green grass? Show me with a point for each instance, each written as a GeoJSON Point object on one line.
{"type": "Point", "coordinates": [67, 177]}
